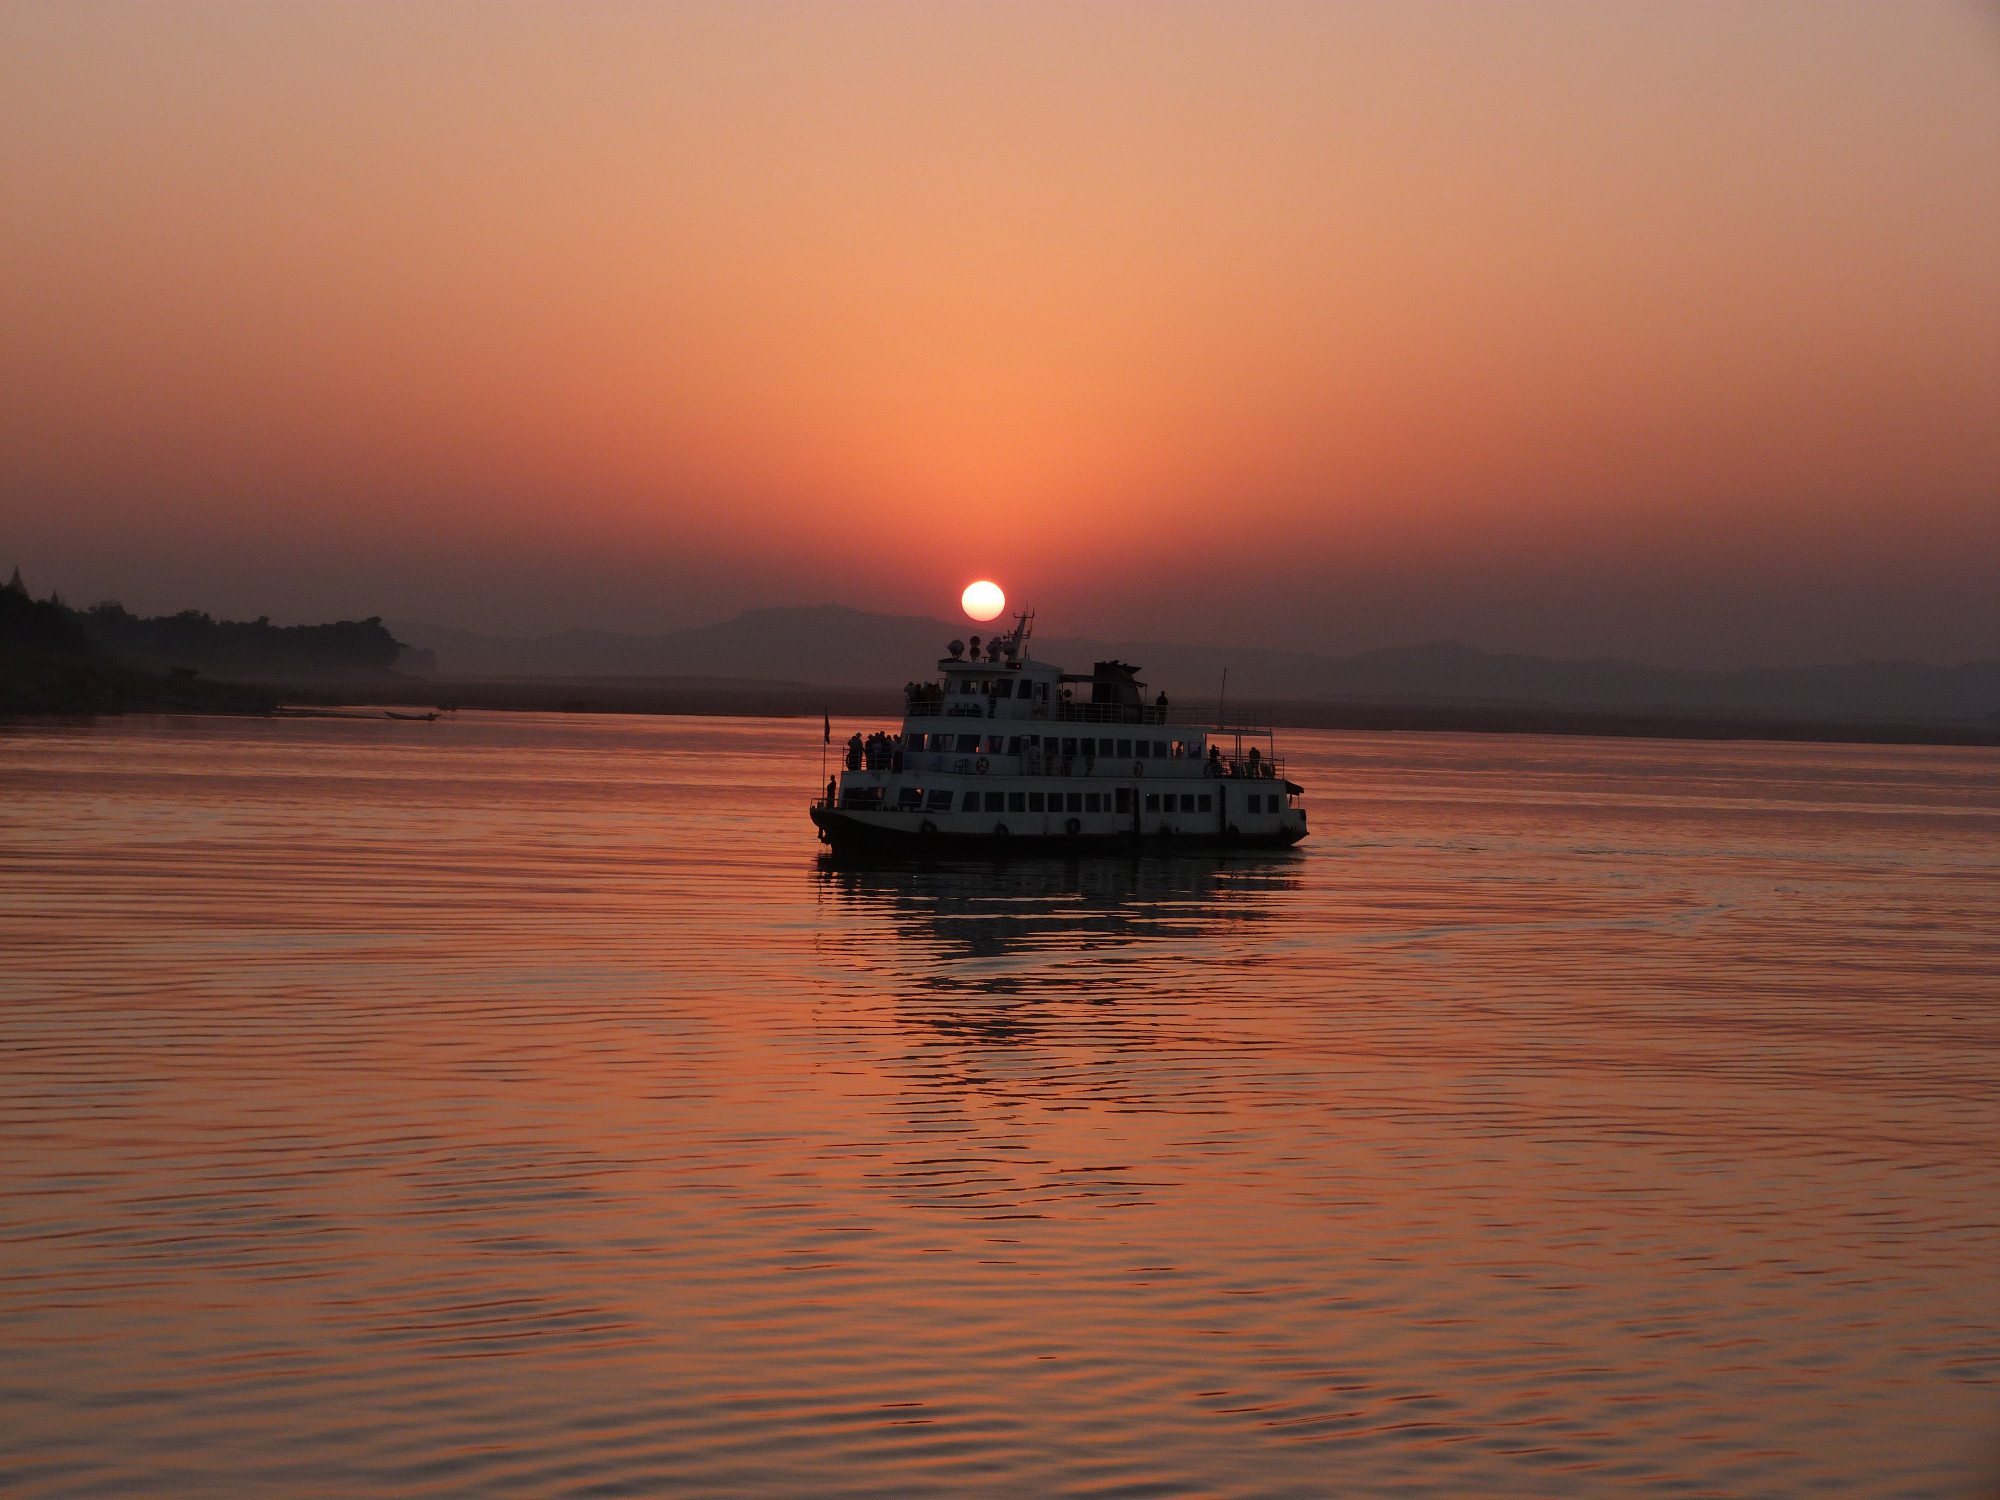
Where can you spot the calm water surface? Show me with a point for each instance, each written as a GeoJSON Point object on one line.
{"type": "Point", "coordinates": [513, 1106]}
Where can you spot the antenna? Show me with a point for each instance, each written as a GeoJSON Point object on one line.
{"type": "Point", "coordinates": [1023, 627]}
{"type": "Point", "coordinates": [1221, 703]}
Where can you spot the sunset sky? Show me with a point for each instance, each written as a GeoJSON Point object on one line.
{"type": "Point", "coordinates": [1670, 331]}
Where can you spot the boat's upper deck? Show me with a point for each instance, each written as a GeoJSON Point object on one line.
{"type": "Point", "coordinates": [1033, 690]}
{"type": "Point", "coordinates": [1003, 683]}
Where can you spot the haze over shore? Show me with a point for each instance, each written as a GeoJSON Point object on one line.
{"type": "Point", "coordinates": [836, 646]}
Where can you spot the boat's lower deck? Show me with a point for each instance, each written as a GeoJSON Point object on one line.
{"type": "Point", "coordinates": [1064, 832]}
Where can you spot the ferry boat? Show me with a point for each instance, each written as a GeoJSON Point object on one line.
{"type": "Point", "coordinates": [1003, 753]}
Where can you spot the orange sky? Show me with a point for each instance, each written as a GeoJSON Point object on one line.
{"type": "Point", "coordinates": [1668, 330]}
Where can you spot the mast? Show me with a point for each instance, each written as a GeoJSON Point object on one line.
{"type": "Point", "coordinates": [1017, 639]}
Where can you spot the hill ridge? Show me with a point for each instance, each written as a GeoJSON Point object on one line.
{"type": "Point", "coordinates": [836, 645]}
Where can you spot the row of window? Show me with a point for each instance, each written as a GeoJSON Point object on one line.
{"type": "Point", "coordinates": [1119, 800]}
{"type": "Point", "coordinates": [1001, 687]}
{"type": "Point", "coordinates": [1089, 747]}
{"type": "Point", "coordinates": [911, 799]}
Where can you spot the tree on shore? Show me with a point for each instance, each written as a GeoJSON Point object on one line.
{"type": "Point", "coordinates": [192, 639]}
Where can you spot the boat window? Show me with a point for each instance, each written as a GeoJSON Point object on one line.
{"type": "Point", "coordinates": [1124, 748]}
{"type": "Point", "coordinates": [995, 801]}
{"type": "Point", "coordinates": [1160, 749]}
{"type": "Point", "coordinates": [1091, 802]}
{"type": "Point", "coordinates": [1187, 802]}
{"type": "Point", "coordinates": [1124, 797]}
{"type": "Point", "coordinates": [1207, 803]}
{"type": "Point", "coordinates": [909, 796]}
{"type": "Point", "coordinates": [1004, 688]}
{"type": "Point", "coordinates": [1256, 804]}
{"type": "Point", "coordinates": [1069, 746]}
{"type": "Point", "coordinates": [1035, 802]}
{"type": "Point", "coordinates": [1017, 802]}
{"type": "Point", "coordinates": [968, 744]}
{"type": "Point", "coordinates": [1152, 802]}
{"type": "Point", "coordinates": [1014, 745]}
{"type": "Point", "coordinates": [940, 801]}
{"type": "Point", "coordinates": [1075, 800]}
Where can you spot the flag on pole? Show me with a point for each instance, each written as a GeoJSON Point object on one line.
{"type": "Point", "coordinates": [826, 729]}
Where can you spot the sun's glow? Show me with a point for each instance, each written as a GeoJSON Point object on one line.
{"type": "Point", "coordinates": [983, 600]}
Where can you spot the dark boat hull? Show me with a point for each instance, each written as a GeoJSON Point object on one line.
{"type": "Point", "coordinates": [848, 834]}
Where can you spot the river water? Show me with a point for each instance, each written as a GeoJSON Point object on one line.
{"type": "Point", "coordinates": [514, 1106]}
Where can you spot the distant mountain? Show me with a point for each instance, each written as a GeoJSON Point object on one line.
{"type": "Point", "coordinates": [832, 645]}
{"type": "Point", "coordinates": [829, 645]}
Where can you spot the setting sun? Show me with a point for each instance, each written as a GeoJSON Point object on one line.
{"type": "Point", "coordinates": [983, 600]}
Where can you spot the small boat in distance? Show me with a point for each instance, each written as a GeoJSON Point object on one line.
{"type": "Point", "coordinates": [1002, 753]}
{"type": "Point", "coordinates": [416, 718]}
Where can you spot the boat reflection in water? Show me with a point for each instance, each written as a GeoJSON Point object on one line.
{"type": "Point", "coordinates": [1112, 932]}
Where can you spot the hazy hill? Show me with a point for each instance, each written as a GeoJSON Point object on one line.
{"type": "Point", "coordinates": [828, 645]}
{"type": "Point", "coordinates": [240, 648]}
{"type": "Point", "coordinates": [835, 646]}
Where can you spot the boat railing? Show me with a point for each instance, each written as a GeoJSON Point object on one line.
{"type": "Point", "coordinates": [1242, 721]}
{"type": "Point", "coordinates": [876, 759]}
{"type": "Point", "coordinates": [1037, 763]}
{"type": "Point", "coordinates": [1246, 769]}
{"type": "Point", "coordinates": [1111, 713]}
{"type": "Point", "coordinates": [1067, 713]}
{"type": "Point", "coordinates": [949, 708]}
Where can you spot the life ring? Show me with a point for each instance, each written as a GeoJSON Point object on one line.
{"type": "Point", "coordinates": [1073, 827]}
{"type": "Point", "coordinates": [1000, 830]}
{"type": "Point", "coordinates": [927, 828]}
{"type": "Point", "coordinates": [980, 765]}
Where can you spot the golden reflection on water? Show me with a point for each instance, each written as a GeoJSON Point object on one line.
{"type": "Point", "coordinates": [519, 1106]}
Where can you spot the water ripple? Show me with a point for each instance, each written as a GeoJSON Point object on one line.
{"type": "Point", "coordinates": [515, 1106]}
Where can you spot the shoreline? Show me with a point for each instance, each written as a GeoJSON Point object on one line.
{"type": "Point", "coordinates": [722, 697]}
{"type": "Point", "coordinates": [713, 698]}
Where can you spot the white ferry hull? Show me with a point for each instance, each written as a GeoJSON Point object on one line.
{"type": "Point", "coordinates": [950, 834]}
